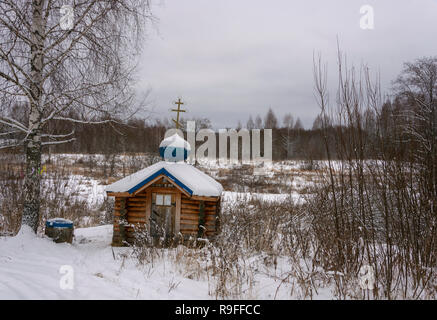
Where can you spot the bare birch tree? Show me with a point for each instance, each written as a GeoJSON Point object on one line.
{"type": "Point", "coordinates": [75, 67]}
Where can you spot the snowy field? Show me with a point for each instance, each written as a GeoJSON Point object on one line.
{"type": "Point", "coordinates": [31, 265]}
{"type": "Point", "coordinates": [265, 250]}
{"type": "Point", "coordinates": [73, 184]}
{"type": "Point", "coordinates": [30, 268]}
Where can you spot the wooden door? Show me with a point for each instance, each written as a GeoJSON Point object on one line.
{"type": "Point", "coordinates": [162, 219]}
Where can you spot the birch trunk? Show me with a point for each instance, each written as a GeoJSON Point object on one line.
{"type": "Point", "coordinates": [32, 182]}
{"type": "Point", "coordinates": [33, 145]}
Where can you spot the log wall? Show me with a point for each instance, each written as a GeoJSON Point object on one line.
{"type": "Point", "coordinates": [190, 215]}
{"type": "Point", "coordinates": [136, 216]}
{"type": "Point", "coordinates": [137, 212]}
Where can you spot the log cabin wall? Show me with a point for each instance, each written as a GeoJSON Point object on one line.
{"type": "Point", "coordinates": [116, 236]}
{"type": "Point", "coordinates": [135, 216]}
{"type": "Point", "coordinates": [192, 217]}
{"type": "Point", "coordinates": [134, 212]}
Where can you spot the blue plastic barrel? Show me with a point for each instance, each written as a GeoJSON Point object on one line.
{"type": "Point", "coordinates": [60, 230]}
{"type": "Point", "coordinates": [59, 223]}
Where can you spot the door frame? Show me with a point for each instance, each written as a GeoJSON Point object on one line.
{"type": "Point", "coordinates": [176, 205]}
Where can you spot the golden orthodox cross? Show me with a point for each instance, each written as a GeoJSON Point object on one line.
{"type": "Point", "coordinates": [178, 110]}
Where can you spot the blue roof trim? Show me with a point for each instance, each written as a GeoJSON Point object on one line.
{"type": "Point", "coordinates": [156, 174]}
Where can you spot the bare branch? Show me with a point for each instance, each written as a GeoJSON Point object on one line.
{"type": "Point", "coordinates": [57, 142]}
{"type": "Point", "coordinates": [86, 121]}
{"type": "Point", "coordinates": [57, 135]}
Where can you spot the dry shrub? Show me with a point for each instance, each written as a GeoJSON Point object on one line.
{"type": "Point", "coordinates": [59, 197]}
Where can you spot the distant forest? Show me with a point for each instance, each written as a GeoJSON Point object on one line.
{"type": "Point", "coordinates": [290, 139]}
{"type": "Point", "coordinates": [399, 125]}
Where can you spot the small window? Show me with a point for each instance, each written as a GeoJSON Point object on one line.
{"type": "Point", "coordinates": [167, 200]}
{"type": "Point", "coordinates": [159, 200]}
{"type": "Point", "coordinates": [163, 200]}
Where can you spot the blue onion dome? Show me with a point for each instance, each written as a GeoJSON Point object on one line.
{"type": "Point", "coordinates": [174, 149]}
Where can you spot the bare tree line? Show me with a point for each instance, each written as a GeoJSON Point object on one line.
{"type": "Point", "coordinates": [290, 139]}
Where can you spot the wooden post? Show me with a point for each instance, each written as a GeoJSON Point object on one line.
{"type": "Point", "coordinates": [201, 228]}
{"type": "Point", "coordinates": [148, 209]}
{"type": "Point", "coordinates": [123, 221]}
{"type": "Point", "coordinates": [218, 216]}
{"type": "Point", "coordinates": [177, 222]}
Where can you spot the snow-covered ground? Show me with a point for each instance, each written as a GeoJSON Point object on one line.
{"type": "Point", "coordinates": [31, 267]}
{"type": "Point", "coordinates": [76, 186]}
{"type": "Point", "coordinates": [34, 267]}
{"type": "Point", "coordinates": [230, 197]}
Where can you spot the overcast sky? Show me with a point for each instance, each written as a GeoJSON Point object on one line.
{"type": "Point", "coordinates": [228, 59]}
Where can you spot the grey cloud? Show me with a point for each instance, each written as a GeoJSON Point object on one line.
{"type": "Point", "coordinates": [229, 59]}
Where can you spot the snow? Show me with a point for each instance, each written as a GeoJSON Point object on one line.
{"type": "Point", "coordinates": [59, 220]}
{"type": "Point", "coordinates": [59, 223]}
{"type": "Point", "coordinates": [175, 141]}
{"type": "Point", "coordinates": [30, 269]}
{"type": "Point", "coordinates": [79, 187]}
{"type": "Point", "coordinates": [33, 267]}
{"type": "Point", "coordinates": [30, 265]}
{"type": "Point", "coordinates": [200, 183]}
{"type": "Point", "coordinates": [230, 197]}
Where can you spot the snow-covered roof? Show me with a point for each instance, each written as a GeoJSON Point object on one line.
{"type": "Point", "coordinates": [175, 141]}
{"type": "Point", "coordinates": [189, 178]}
